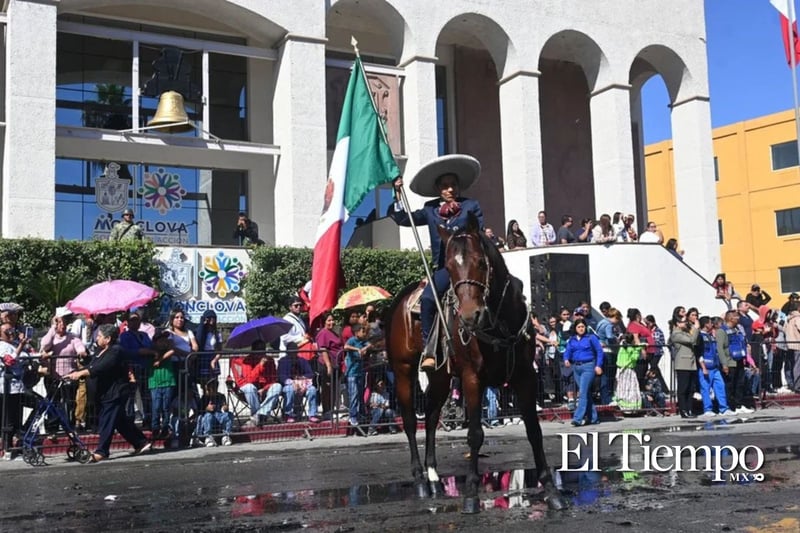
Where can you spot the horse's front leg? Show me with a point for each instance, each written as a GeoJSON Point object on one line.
{"type": "Point", "coordinates": [473, 395]}
{"type": "Point", "coordinates": [437, 394]}
{"type": "Point", "coordinates": [525, 386]}
{"type": "Point", "coordinates": [404, 389]}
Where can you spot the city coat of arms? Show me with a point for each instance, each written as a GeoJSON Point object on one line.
{"type": "Point", "coordinates": [176, 275]}
{"type": "Point", "coordinates": [111, 191]}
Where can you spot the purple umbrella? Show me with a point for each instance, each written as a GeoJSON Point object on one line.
{"type": "Point", "coordinates": [111, 296]}
{"type": "Point", "coordinates": [265, 329]}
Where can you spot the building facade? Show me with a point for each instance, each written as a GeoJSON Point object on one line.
{"type": "Point", "coordinates": [758, 201]}
{"type": "Point", "coordinates": [545, 94]}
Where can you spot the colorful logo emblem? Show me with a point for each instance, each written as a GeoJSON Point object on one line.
{"type": "Point", "coordinates": [221, 274]}
{"type": "Point", "coordinates": [162, 191]}
{"type": "Point", "coordinates": [111, 191]}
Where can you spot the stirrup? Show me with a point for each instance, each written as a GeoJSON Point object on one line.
{"type": "Point", "coordinates": [428, 363]}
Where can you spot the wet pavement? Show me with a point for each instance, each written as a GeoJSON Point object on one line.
{"type": "Point", "coordinates": [363, 484]}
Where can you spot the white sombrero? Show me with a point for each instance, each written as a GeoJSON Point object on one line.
{"type": "Point", "coordinates": [466, 167]}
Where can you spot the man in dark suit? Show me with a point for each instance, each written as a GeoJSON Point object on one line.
{"type": "Point", "coordinates": [445, 178]}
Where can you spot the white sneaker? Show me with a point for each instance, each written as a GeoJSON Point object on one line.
{"type": "Point", "coordinates": [612, 403]}
{"type": "Point", "coordinates": [709, 414]}
{"type": "Point", "coordinates": [539, 408]}
{"type": "Point", "coordinates": [210, 442]}
{"type": "Point", "coordinates": [728, 413]}
{"type": "Point", "coordinates": [742, 410]}
{"type": "Point", "coordinates": [697, 396]}
{"type": "Point", "coordinates": [226, 440]}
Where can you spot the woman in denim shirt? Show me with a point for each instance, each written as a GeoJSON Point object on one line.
{"type": "Point", "coordinates": [585, 355]}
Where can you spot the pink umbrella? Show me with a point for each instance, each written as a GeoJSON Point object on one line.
{"type": "Point", "coordinates": [111, 296]}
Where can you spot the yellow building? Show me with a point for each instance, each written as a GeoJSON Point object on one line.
{"type": "Point", "coordinates": [758, 201]}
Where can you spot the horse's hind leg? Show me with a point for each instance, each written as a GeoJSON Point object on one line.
{"type": "Point", "coordinates": [405, 387]}
{"type": "Point", "coordinates": [437, 394]}
{"type": "Point", "coordinates": [472, 404]}
{"type": "Point", "coordinates": [524, 383]}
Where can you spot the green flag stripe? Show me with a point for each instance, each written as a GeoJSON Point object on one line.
{"type": "Point", "coordinates": [369, 161]}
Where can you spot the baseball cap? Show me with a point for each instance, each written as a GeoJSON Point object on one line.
{"type": "Point", "coordinates": [579, 311]}
{"type": "Point", "coordinates": [794, 296]}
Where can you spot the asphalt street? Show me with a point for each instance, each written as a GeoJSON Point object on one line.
{"type": "Point", "coordinates": [363, 484]}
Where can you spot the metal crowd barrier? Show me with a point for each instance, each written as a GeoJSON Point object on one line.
{"type": "Point", "coordinates": [775, 377]}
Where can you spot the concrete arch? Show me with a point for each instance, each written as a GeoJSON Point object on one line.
{"type": "Point", "coordinates": [577, 47]}
{"type": "Point", "coordinates": [475, 30]}
{"type": "Point", "coordinates": [377, 25]}
{"type": "Point", "coordinates": [226, 16]}
{"type": "Point", "coordinates": [659, 59]}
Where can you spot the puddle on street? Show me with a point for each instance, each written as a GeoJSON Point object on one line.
{"type": "Point", "coordinates": [506, 490]}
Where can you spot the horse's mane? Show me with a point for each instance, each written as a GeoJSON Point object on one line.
{"type": "Point", "coordinates": [494, 255]}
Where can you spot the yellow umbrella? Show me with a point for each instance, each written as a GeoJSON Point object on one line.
{"type": "Point", "coordinates": [362, 296]}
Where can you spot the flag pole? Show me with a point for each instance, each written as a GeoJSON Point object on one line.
{"type": "Point", "coordinates": [404, 200]}
{"type": "Point", "coordinates": [793, 64]}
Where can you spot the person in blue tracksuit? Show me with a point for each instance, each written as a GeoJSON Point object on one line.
{"type": "Point", "coordinates": [709, 371]}
{"type": "Point", "coordinates": [585, 354]}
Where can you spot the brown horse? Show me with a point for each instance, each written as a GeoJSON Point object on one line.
{"type": "Point", "coordinates": [492, 344]}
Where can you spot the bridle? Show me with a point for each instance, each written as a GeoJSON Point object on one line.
{"type": "Point", "coordinates": [467, 331]}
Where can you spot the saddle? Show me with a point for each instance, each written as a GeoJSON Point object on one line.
{"type": "Point", "coordinates": [414, 301]}
{"type": "Point", "coordinates": [412, 312]}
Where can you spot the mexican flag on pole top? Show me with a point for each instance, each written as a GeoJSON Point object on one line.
{"type": "Point", "coordinates": [361, 161]}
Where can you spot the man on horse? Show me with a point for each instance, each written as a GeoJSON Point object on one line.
{"type": "Point", "coordinates": [444, 178]}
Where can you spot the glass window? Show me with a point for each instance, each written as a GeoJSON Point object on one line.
{"type": "Point", "coordinates": [784, 155]}
{"type": "Point", "coordinates": [788, 221]}
{"type": "Point", "coordinates": [719, 231]}
{"type": "Point", "coordinates": [716, 168]}
{"type": "Point", "coordinates": [93, 87]}
{"type": "Point", "coordinates": [173, 205]}
{"type": "Point", "coordinates": [93, 82]}
{"type": "Point", "coordinates": [164, 68]}
{"type": "Point", "coordinates": [228, 98]}
{"type": "Point", "coordinates": [790, 279]}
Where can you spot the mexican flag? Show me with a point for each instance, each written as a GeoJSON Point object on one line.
{"type": "Point", "coordinates": [361, 161]}
{"type": "Point", "coordinates": [791, 42]}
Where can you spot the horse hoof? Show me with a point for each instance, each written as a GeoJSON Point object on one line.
{"type": "Point", "coordinates": [422, 490]}
{"type": "Point", "coordinates": [471, 506]}
{"type": "Point", "coordinates": [556, 502]}
{"type": "Point", "coordinates": [437, 488]}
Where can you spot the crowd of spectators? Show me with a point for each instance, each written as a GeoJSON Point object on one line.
{"type": "Point", "coordinates": [584, 358]}
{"type": "Point", "coordinates": [604, 230]}
{"type": "Point", "coordinates": [722, 362]}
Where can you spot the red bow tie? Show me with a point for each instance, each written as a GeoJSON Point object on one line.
{"type": "Point", "coordinates": [449, 209]}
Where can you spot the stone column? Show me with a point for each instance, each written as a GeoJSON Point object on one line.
{"type": "Point", "coordinates": [299, 129]}
{"type": "Point", "coordinates": [521, 138]}
{"type": "Point", "coordinates": [612, 151]}
{"type": "Point", "coordinates": [261, 180]}
{"type": "Point", "coordinates": [419, 126]}
{"type": "Point", "coordinates": [28, 208]}
{"type": "Point", "coordinates": [695, 189]}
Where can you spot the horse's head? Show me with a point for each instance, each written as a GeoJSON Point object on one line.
{"type": "Point", "coordinates": [467, 262]}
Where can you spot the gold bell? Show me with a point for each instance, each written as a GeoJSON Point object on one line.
{"type": "Point", "coordinates": [170, 114]}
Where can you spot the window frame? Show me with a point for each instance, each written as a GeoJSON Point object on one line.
{"type": "Point", "coordinates": [785, 289]}
{"type": "Point", "coordinates": [772, 155]}
{"type": "Point", "coordinates": [777, 227]}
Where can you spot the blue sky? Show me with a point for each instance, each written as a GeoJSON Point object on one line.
{"type": "Point", "coordinates": [747, 70]}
